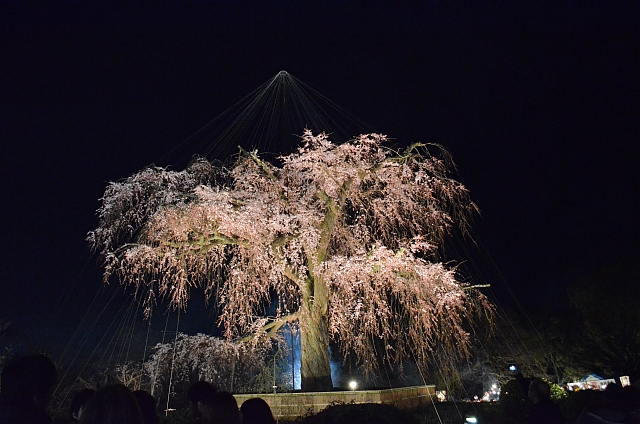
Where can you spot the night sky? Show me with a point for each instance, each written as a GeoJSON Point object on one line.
{"type": "Point", "coordinates": [537, 102]}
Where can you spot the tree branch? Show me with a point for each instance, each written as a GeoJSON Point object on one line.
{"type": "Point", "coordinates": [272, 328]}
{"type": "Point", "coordinates": [202, 242]}
{"type": "Point", "coordinates": [475, 286]}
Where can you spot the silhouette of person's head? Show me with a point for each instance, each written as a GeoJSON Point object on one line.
{"type": "Point", "coordinates": [79, 402]}
{"type": "Point", "coordinates": [147, 405]}
{"type": "Point", "coordinates": [27, 381]}
{"type": "Point", "coordinates": [220, 408]}
{"type": "Point", "coordinates": [256, 411]}
{"type": "Point", "coordinates": [612, 393]}
{"type": "Point", "coordinates": [197, 393]}
{"type": "Point", "coordinates": [114, 404]}
{"type": "Point", "coordinates": [538, 391]}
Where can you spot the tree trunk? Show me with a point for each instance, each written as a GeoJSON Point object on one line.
{"type": "Point", "coordinates": [315, 368]}
{"type": "Point", "coordinates": [315, 362]}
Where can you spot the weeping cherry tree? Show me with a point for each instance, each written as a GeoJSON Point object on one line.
{"type": "Point", "coordinates": [344, 239]}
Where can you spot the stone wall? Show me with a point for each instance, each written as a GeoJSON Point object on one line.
{"type": "Point", "coordinates": [289, 406]}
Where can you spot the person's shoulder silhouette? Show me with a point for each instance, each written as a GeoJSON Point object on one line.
{"type": "Point", "coordinates": [26, 388]}
{"type": "Point", "coordinates": [113, 404]}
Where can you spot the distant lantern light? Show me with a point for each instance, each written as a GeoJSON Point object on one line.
{"type": "Point", "coordinates": [353, 385]}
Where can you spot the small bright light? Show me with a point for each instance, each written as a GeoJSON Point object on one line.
{"type": "Point", "coordinates": [471, 419]}
{"type": "Point", "coordinates": [353, 385]}
{"type": "Point", "coordinates": [512, 367]}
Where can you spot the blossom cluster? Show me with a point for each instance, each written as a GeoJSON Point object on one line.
{"type": "Point", "coordinates": [347, 236]}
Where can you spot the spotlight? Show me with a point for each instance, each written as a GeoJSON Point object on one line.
{"type": "Point", "coordinates": [353, 385]}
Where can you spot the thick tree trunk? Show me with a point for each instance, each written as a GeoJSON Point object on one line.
{"type": "Point", "coordinates": [315, 366]}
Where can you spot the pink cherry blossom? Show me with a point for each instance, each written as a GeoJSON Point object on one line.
{"type": "Point", "coordinates": [345, 238]}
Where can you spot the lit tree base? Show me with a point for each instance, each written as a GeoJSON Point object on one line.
{"type": "Point", "coordinates": [317, 384]}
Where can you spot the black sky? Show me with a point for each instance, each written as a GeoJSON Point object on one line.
{"type": "Point", "coordinates": [538, 103]}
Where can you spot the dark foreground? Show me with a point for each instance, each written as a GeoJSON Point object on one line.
{"type": "Point", "coordinates": [510, 410]}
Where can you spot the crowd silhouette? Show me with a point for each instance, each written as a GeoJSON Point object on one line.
{"type": "Point", "coordinates": [27, 383]}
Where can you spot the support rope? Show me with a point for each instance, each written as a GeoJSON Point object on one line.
{"type": "Point", "coordinates": [175, 340]}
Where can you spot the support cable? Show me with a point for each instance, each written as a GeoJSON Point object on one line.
{"type": "Point", "coordinates": [175, 341]}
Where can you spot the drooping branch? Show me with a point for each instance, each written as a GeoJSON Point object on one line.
{"type": "Point", "coordinates": [336, 237]}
